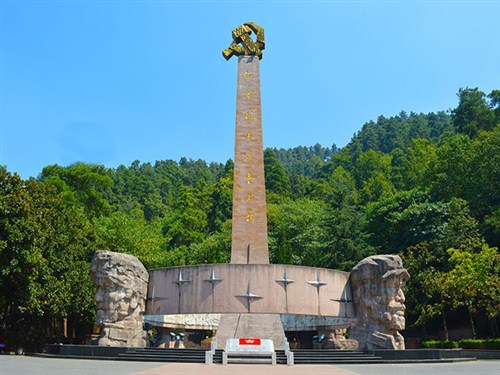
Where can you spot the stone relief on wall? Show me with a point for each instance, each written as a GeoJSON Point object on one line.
{"type": "Point", "coordinates": [377, 283]}
{"type": "Point", "coordinates": [122, 283]}
{"type": "Point", "coordinates": [184, 321]}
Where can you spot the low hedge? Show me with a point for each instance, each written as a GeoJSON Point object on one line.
{"type": "Point", "coordinates": [488, 344]}
{"type": "Point", "coordinates": [435, 344]}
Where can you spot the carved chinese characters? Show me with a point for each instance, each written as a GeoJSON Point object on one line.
{"type": "Point", "coordinates": [249, 233]}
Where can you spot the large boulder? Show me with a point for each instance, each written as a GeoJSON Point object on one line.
{"type": "Point", "coordinates": [377, 283]}
{"type": "Point", "coordinates": [122, 286]}
{"type": "Point", "coordinates": [335, 338]}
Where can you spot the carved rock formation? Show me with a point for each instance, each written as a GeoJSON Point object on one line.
{"type": "Point", "coordinates": [122, 285]}
{"type": "Point", "coordinates": [336, 339]}
{"type": "Point", "coordinates": [377, 283]}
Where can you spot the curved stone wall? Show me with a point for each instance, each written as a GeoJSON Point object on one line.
{"type": "Point", "coordinates": [249, 288]}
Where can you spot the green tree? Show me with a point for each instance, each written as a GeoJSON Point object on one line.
{"type": "Point", "coordinates": [376, 187]}
{"type": "Point", "coordinates": [305, 161]}
{"type": "Point", "coordinates": [188, 223]}
{"type": "Point", "coordinates": [45, 248]}
{"type": "Point", "coordinates": [473, 280]}
{"type": "Point", "coordinates": [495, 104]}
{"type": "Point", "coordinates": [491, 227]}
{"type": "Point", "coordinates": [295, 233]}
{"type": "Point", "coordinates": [426, 297]}
{"type": "Point", "coordinates": [346, 242]}
{"type": "Point", "coordinates": [277, 180]}
{"type": "Point", "coordinates": [468, 169]}
{"type": "Point", "coordinates": [215, 248]}
{"type": "Point", "coordinates": [81, 185]}
{"type": "Point", "coordinates": [372, 171]}
{"type": "Point", "coordinates": [429, 292]}
{"type": "Point", "coordinates": [222, 200]}
{"type": "Point", "coordinates": [133, 235]}
{"type": "Point", "coordinates": [405, 219]}
{"type": "Point", "coordinates": [342, 188]}
{"type": "Point", "coordinates": [473, 112]}
{"type": "Point", "coordinates": [387, 134]}
{"type": "Point", "coordinates": [415, 166]}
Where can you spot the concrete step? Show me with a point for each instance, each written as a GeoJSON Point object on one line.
{"type": "Point", "coordinates": [157, 350]}
{"type": "Point", "coordinates": [338, 362]}
{"type": "Point", "coordinates": [334, 356]}
{"type": "Point", "coordinates": [166, 355]}
{"type": "Point", "coordinates": [280, 357]}
{"type": "Point", "coordinates": [250, 360]}
{"type": "Point", "coordinates": [156, 359]}
{"type": "Point", "coordinates": [169, 355]}
{"type": "Point", "coordinates": [331, 352]}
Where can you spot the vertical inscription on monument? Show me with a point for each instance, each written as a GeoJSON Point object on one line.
{"type": "Point", "coordinates": [249, 235]}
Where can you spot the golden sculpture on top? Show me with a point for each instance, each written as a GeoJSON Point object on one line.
{"type": "Point", "coordinates": [248, 47]}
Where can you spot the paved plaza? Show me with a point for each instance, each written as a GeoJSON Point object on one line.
{"type": "Point", "coordinates": [25, 365]}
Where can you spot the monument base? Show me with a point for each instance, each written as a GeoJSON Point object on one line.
{"type": "Point", "coordinates": [264, 326]}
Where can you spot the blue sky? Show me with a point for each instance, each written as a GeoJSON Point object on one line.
{"type": "Point", "coordinates": [110, 82]}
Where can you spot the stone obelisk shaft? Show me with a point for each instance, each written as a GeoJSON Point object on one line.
{"type": "Point", "coordinates": [249, 235]}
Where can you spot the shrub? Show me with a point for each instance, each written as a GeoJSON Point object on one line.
{"type": "Point", "coordinates": [471, 344]}
{"type": "Point", "coordinates": [489, 344]}
{"type": "Point", "coordinates": [440, 344]}
{"type": "Point", "coordinates": [492, 344]}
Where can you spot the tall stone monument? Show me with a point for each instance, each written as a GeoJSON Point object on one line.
{"type": "Point", "coordinates": [249, 243]}
{"type": "Point", "coordinates": [249, 232]}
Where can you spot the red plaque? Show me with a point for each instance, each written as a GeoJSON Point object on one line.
{"type": "Point", "coordinates": [249, 341]}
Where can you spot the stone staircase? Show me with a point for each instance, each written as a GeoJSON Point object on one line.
{"type": "Point", "coordinates": [306, 356]}
{"type": "Point", "coordinates": [310, 356]}
{"type": "Point", "coordinates": [168, 355]}
{"type": "Point", "coordinates": [300, 356]}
